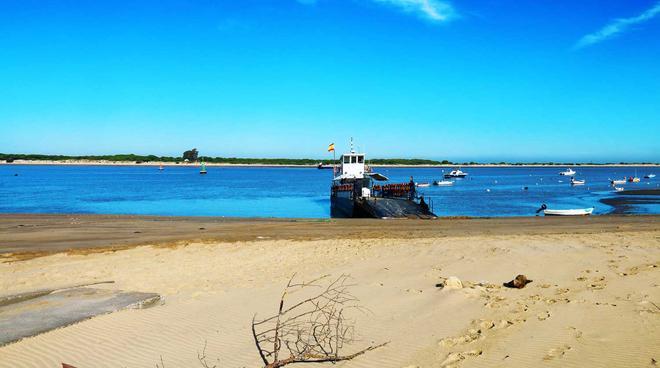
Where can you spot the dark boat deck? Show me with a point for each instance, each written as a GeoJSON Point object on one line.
{"type": "Point", "coordinates": [391, 207]}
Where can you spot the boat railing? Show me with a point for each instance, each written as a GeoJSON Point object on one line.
{"type": "Point", "coordinates": [395, 190]}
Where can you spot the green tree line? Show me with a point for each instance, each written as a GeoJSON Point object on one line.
{"type": "Point", "coordinates": [129, 157]}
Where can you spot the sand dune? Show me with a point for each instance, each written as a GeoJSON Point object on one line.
{"type": "Point", "coordinates": [593, 302]}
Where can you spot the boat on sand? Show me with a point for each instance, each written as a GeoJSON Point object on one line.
{"type": "Point", "coordinates": [569, 212]}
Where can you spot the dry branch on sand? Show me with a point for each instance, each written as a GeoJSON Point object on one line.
{"type": "Point", "coordinates": [312, 330]}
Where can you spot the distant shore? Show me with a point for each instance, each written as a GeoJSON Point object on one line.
{"type": "Point", "coordinates": [211, 164]}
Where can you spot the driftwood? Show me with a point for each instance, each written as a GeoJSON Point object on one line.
{"type": "Point", "coordinates": [312, 330]}
{"type": "Point", "coordinates": [518, 283]}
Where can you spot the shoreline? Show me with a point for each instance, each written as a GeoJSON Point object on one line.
{"type": "Point", "coordinates": [28, 235]}
{"type": "Point", "coordinates": [210, 164]}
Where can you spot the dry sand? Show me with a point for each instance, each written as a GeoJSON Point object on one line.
{"type": "Point", "coordinates": [595, 299]}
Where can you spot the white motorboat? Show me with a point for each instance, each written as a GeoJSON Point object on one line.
{"type": "Point", "coordinates": [618, 189]}
{"type": "Point", "coordinates": [649, 176]}
{"type": "Point", "coordinates": [618, 182]}
{"type": "Point", "coordinates": [568, 172]}
{"type": "Point", "coordinates": [571, 212]}
{"type": "Point", "coordinates": [443, 183]}
{"type": "Point", "coordinates": [456, 174]}
{"type": "Point", "coordinates": [577, 182]}
{"type": "Point", "coordinates": [422, 185]}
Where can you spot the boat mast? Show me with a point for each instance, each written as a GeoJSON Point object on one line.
{"type": "Point", "coordinates": [334, 163]}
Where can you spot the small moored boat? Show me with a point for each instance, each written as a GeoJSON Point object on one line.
{"type": "Point", "coordinates": [456, 174]}
{"type": "Point", "coordinates": [443, 183]}
{"type": "Point", "coordinates": [649, 176]}
{"type": "Point", "coordinates": [569, 212]}
{"type": "Point", "coordinates": [568, 172]}
{"type": "Point", "coordinates": [618, 189]}
{"type": "Point", "coordinates": [203, 169]}
{"type": "Point", "coordinates": [422, 185]}
{"type": "Point", "coordinates": [577, 182]}
{"type": "Point", "coordinates": [618, 182]}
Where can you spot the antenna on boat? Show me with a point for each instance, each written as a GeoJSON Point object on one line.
{"type": "Point", "coordinates": [352, 150]}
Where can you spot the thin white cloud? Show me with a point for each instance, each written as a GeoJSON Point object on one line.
{"type": "Point", "coordinates": [617, 26]}
{"type": "Point", "coordinates": [433, 10]}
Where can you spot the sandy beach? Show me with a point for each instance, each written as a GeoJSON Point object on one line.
{"type": "Point", "coordinates": [594, 300]}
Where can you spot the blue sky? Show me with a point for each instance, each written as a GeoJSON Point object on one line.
{"type": "Point", "coordinates": [478, 80]}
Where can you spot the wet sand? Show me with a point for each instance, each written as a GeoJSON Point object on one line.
{"type": "Point", "coordinates": [626, 201]}
{"type": "Point", "coordinates": [34, 234]}
{"type": "Point", "coordinates": [594, 301]}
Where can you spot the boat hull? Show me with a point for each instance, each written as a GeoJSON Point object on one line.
{"type": "Point", "coordinates": [342, 206]}
{"type": "Point", "coordinates": [574, 212]}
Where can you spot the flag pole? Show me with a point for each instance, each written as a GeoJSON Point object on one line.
{"type": "Point", "coordinates": [334, 162]}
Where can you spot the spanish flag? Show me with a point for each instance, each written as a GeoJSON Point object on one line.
{"type": "Point", "coordinates": [331, 147]}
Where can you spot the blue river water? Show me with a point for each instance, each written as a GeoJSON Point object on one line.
{"type": "Point", "coordinates": [296, 192]}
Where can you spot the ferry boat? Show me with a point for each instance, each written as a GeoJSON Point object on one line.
{"type": "Point", "coordinates": [568, 172]}
{"type": "Point", "coordinates": [354, 193]}
{"type": "Point", "coordinates": [456, 174]}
